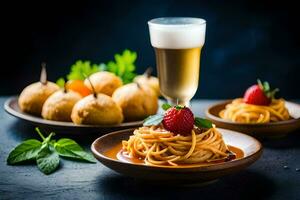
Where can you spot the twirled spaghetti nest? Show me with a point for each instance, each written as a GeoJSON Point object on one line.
{"type": "Point", "coordinates": [238, 111]}
{"type": "Point", "coordinates": [160, 147]}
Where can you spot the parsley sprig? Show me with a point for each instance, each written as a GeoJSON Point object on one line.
{"type": "Point", "coordinates": [123, 66]}
{"type": "Point", "coordinates": [81, 69]}
{"type": "Point", "coordinates": [46, 153]}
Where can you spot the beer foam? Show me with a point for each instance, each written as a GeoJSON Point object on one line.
{"type": "Point", "coordinates": [177, 32]}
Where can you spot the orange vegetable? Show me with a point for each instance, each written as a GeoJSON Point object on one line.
{"type": "Point", "coordinates": [78, 86]}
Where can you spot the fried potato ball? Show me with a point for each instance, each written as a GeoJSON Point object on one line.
{"type": "Point", "coordinates": [59, 105]}
{"type": "Point", "coordinates": [33, 97]}
{"type": "Point", "coordinates": [104, 82]}
{"type": "Point", "coordinates": [151, 81]}
{"type": "Point", "coordinates": [137, 101]}
{"type": "Point", "coordinates": [99, 110]}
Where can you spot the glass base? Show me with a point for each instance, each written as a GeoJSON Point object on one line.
{"type": "Point", "coordinates": [178, 102]}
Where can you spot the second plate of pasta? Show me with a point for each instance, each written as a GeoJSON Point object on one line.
{"type": "Point", "coordinates": [275, 120]}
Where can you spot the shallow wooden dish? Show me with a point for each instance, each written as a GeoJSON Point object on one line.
{"type": "Point", "coordinates": [267, 130]}
{"type": "Point", "coordinates": [251, 147]}
{"type": "Point", "coordinates": [11, 106]}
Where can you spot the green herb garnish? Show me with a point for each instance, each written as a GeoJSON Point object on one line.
{"type": "Point", "coordinates": [81, 69]}
{"type": "Point", "coordinates": [203, 123]}
{"type": "Point", "coordinates": [153, 120]}
{"type": "Point", "coordinates": [166, 106]}
{"type": "Point", "coordinates": [69, 148]}
{"type": "Point", "coordinates": [123, 65]}
{"type": "Point", "coordinates": [61, 82]}
{"type": "Point", "coordinates": [47, 152]}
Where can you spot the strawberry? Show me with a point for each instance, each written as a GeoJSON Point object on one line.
{"type": "Point", "coordinates": [179, 119]}
{"type": "Point", "coordinates": [259, 94]}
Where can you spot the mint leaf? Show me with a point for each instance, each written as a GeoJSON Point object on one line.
{"type": "Point", "coordinates": [166, 106]}
{"type": "Point", "coordinates": [47, 160]}
{"type": "Point", "coordinates": [203, 123]}
{"type": "Point", "coordinates": [25, 151]}
{"type": "Point", "coordinates": [46, 153]}
{"type": "Point", "coordinates": [153, 120]}
{"type": "Point", "coordinates": [69, 148]}
{"type": "Point", "coordinates": [48, 140]}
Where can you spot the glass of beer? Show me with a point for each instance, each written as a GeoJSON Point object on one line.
{"type": "Point", "coordinates": [177, 42]}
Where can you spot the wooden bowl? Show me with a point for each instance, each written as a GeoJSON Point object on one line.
{"type": "Point", "coordinates": [11, 106]}
{"type": "Point", "coordinates": [266, 130]}
{"type": "Point", "coordinates": [250, 146]}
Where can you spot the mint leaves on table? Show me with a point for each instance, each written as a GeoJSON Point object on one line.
{"type": "Point", "coordinates": [47, 160]}
{"type": "Point", "coordinates": [27, 150]}
{"type": "Point", "coordinates": [46, 153]}
{"type": "Point", "coordinates": [69, 148]}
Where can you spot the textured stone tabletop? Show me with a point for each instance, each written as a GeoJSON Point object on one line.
{"type": "Point", "coordinates": [265, 179]}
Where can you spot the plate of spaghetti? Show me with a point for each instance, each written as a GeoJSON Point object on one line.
{"type": "Point", "coordinates": [258, 113]}
{"type": "Point", "coordinates": [178, 148]}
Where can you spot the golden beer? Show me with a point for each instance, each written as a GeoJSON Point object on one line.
{"type": "Point", "coordinates": [178, 72]}
{"type": "Point", "coordinates": [177, 43]}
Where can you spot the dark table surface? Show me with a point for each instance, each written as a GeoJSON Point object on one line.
{"type": "Point", "coordinates": [265, 179]}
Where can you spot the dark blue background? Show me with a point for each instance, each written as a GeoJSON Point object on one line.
{"type": "Point", "coordinates": [245, 40]}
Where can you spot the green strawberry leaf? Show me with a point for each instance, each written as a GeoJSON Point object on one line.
{"type": "Point", "coordinates": [179, 107]}
{"type": "Point", "coordinates": [265, 86]}
{"type": "Point", "coordinates": [153, 120]}
{"type": "Point", "coordinates": [273, 92]}
{"type": "Point", "coordinates": [47, 160]}
{"type": "Point", "coordinates": [69, 148]}
{"type": "Point", "coordinates": [203, 123]}
{"type": "Point", "coordinates": [260, 84]}
{"type": "Point", "coordinates": [25, 151]}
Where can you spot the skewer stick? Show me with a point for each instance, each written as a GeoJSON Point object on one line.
{"type": "Point", "coordinates": [148, 72]}
{"type": "Point", "coordinates": [65, 87]}
{"type": "Point", "coordinates": [43, 77]}
{"type": "Point", "coordinates": [93, 89]}
{"type": "Point", "coordinates": [138, 85]}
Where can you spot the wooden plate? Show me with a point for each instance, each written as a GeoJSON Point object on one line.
{"type": "Point", "coordinates": [251, 147]}
{"type": "Point", "coordinates": [11, 106]}
{"type": "Point", "coordinates": [267, 130]}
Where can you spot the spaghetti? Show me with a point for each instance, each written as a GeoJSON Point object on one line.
{"type": "Point", "coordinates": [238, 111]}
{"type": "Point", "coordinates": [158, 146]}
